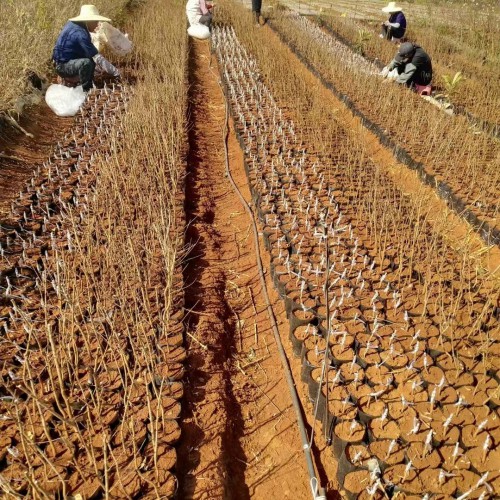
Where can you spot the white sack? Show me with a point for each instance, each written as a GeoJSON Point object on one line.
{"type": "Point", "coordinates": [114, 39]}
{"type": "Point", "coordinates": [390, 74]}
{"type": "Point", "coordinates": [393, 74]}
{"type": "Point", "coordinates": [199, 31]}
{"type": "Point", "coordinates": [65, 101]}
{"type": "Point", "coordinates": [98, 39]}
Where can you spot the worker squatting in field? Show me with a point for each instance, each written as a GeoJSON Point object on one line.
{"type": "Point", "coordinates": [74, 54]}
{"type": "Point", "coordinates": [411, 66]}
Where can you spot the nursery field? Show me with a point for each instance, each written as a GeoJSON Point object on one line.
{"type": "Point", "coordinates": [251, 268]}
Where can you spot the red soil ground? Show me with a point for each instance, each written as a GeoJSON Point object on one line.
{"type": "Point", "coordinates": [20, 154]}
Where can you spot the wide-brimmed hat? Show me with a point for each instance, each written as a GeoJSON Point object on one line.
{"type": "Point", "coordinates": [89, 13]}
{"type": "Point", "coordinates": [392, 7]}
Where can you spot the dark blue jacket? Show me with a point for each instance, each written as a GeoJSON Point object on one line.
{"type": "Point", "coordinates": [398, 17]}
{"type": "Point", "coordinates": [73, 43]}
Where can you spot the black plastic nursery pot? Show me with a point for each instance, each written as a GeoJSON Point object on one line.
{"type": "Point", "coordinates": [339, 442]}
{"type": "Point", "coordinates": [341, 355]}
{"type": "Point", "coordinates": [278, 270]}
{"type": "Point", "coordinates": [367, 417]}
{"type": "Point", "coordinates": [318, 401]}
{"type": "Point", "coordinates": [307, 366]}
{"type": "Point", "coordinates": [298, 316]}
{"type": "Point", "coordinates": [298, 335]}
{"type": "Point", "coordinates": [296, 300]}
{"type": "Point", "coordinates": [265, 237]}
{"type": "Point", "coordinates": [396, 457]}
{"type": "Point", "coordinates": [345, 467]}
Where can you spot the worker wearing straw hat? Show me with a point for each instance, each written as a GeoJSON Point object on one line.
{"type": "Point", "coordinates": [73, 53]}
{"type": "Point", "coordinates": [395, 27]}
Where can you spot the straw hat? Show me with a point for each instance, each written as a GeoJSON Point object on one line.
{"type": "Point", "coordinates": [89, 13]}
{"type": "Point", "coordinates": [392, 7]}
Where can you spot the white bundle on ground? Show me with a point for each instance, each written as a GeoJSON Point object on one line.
{"type": "Point", "coordinates": [390, 74]}
{"type": "Point", "coordinates": [65, 101]}
{"type": "Point", "coordinates": [199, 31]}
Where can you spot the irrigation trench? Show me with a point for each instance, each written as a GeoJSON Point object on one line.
{"type": "Point", "coordinates": [240, 432]}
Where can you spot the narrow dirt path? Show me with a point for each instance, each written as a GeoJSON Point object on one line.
{"type": "Point", "coordinates": [204, 458]}
{"type": "Point", "coordinates": [240, 437]}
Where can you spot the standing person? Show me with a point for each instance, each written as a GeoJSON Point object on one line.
{"type": "Point", "coordinates": [74, 52]}
{"type": "Point", "coordinates": [256, 6]}
{"type": "Point", "coordinates": [395, 27]}
{"type": "Point", "coordinates": [198, 12]}
{"type": "Point", "coordinates": [413, 65]}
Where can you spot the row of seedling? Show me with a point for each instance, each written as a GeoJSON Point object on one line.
{"type": "Point", "coordinates": [356, 266]}
{"type": "Point", "coordinates": [86, 408]}
{"type": "Point", "coordinates": [345, 326]}
{"type": "Point", "coordinates": [387, 221]}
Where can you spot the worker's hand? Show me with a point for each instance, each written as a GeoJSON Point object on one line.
{"type": "Point", "coordinates": [386, 23]}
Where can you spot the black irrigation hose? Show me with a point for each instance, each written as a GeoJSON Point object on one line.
{"type": "Point", "coordinates": [316, 489]}
{"type": "Point", "coordinates": [489, 234]}
{"type": "Point", "coordinates": [493, 129]}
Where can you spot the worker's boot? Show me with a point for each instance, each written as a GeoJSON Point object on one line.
{"type": "Point", "coordinates": [256, 16]}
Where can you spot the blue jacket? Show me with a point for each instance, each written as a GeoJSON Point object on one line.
{"type": "Point", "coordinates": [73, 43]}
{"type": "Point", "coordinates": [398, 18]}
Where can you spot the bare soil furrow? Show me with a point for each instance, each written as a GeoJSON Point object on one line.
{"type": "Point", "coordinates": [213, 421]}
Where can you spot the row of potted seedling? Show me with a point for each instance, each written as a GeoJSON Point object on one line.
{"type": "Point", "coordinates": [304, 228]}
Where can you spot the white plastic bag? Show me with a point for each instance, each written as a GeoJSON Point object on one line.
{"type": "Point", "coordinates": [98, 39]}
{"type": "Point", "coordinates": [390, 74]}
{"type": "Point", "coordinates": [199, 31]}
{"type": "Point", "coordinates": [393, 74]}
{"type": "Point", "coordinates": [114, 39]}
{"type": "Point", "coordinates": [65, 101]}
